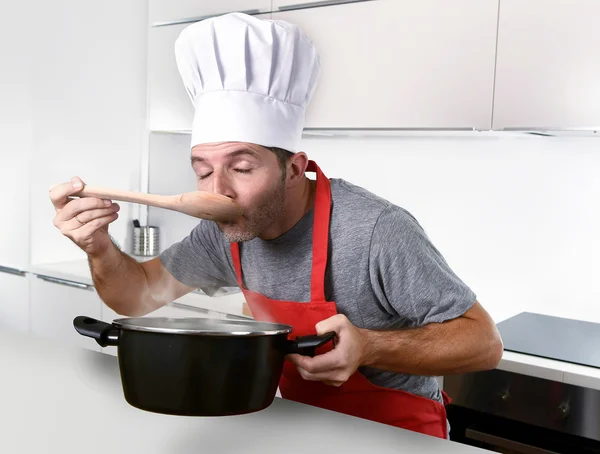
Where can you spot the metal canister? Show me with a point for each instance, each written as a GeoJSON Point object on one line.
{"type": "Point", "coordinates": [146, 241]}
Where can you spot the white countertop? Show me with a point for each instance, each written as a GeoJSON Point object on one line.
{"type": "Point", "coordinates": [232, 304]}
{"type": "Point", "coordinates": [573, 374]}
{"type": "Point", "coordinates": [59, 399]}
{"type": "Point", "coordinates": [79, 271]}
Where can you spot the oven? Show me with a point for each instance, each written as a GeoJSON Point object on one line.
{"type": "Point", "coordinates": [512, 413]}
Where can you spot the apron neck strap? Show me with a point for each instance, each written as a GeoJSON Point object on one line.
{"type": "Point", "coordinates": [320, 241]}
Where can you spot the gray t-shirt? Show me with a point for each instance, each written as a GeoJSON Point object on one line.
{"type": "Point", "coordinates": [383, 272]}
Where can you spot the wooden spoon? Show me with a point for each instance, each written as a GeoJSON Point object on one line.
{"type": "Point", "coordinates": [200, 204]}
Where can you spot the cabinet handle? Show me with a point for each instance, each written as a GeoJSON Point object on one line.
{"type": "Point", "coordinates": [307, 5]}
{"type": "Point", "coordinates": [381, 132]}
{"type": "Point", "coordinates": [505, 443]}
{"type": "Point", "coordinates": [9, 270]}
{"type": "Point", "coordinates": [187, 20]}
{"type": "Point", "coordinates": [189, 308]}
{"type": "Point", "coordinates": [553, 131]}
{"type": "Point", "coordinates": [56, 280]}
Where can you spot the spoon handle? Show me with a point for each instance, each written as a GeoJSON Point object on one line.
{"type": "Point", "coordinates": [124, 196]}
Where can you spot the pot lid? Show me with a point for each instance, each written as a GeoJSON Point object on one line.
{"type": "Point", "coordinates": [203, 326]}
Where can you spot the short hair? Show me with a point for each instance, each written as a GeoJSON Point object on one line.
{"type": "Point", "coordinates": [282, 156]}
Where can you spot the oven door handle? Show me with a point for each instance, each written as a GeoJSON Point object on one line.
{"type": "Point", "coordinates": [505, 443]}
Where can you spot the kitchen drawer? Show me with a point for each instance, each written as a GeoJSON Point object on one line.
{"type": "Point", "coordinates": [14, 300]}
{"type": "Point", "coordinates": [55, 303]}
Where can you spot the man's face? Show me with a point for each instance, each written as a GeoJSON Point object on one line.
{"type": "Point", "coordinates": [250, 175]}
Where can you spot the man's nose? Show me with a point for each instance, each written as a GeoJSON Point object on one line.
{"type": "Point", "coordinates": [222, 185]}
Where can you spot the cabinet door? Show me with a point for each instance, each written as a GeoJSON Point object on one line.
{"type": "Point", "coordinates": [169, 11]}
{"type": "Point", "coordinates": [548, 67]}
{"type": "Point", "coordinates": [170, 108]}
{"type": "Point", "coordinates": [402, 64]}
{"type": "Point", "coordinates": [89, 105]}
{"type": "Point", "coordinates": [54, 305]}
{"type": "Point", "coordinates": [15, 133]}
{"type": "Point", "coordinates": [14, 301]}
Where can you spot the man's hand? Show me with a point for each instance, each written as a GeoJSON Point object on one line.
{"type": "Point", "coordinates": [467, 343]}
{"type": "Point", "coordinates": [336, 366]}
{"type": "Point", "coordinates": [83, 220]}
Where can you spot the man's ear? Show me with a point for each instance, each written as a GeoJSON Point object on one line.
{"type": "Point", "coordinates": [296, 167]}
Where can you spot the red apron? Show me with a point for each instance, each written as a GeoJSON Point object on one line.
{"type": "Point", "coordinates": [357, 396]}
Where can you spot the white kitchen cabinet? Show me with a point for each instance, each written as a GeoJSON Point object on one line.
{"type": "Point", "coordinates": [169, 106]}
{"type": "Point", "coordinates": [15, 133]}
{"type": "Point", "coordinates": [172, 11]}
{"type": "Point", "coordinates": [14, 301]}
{"type": "Point", "coordinates": [402, 64]}
{"type": "Point", "coordinates": [283, 5]}
{"type": "Point", "coordinates": [55, 303]}
{"type": "Point", "coordinates": [548, 65]}
{"type": "Point", "coordinates": [89, 109]}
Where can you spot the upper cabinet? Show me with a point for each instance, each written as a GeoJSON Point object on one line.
{"type": "Point", "coordinates": [169, 106]}
{"type": "Point", "coordinates": [432, 64]}
{"type": "Point", "coordinates": [172, 11]}
{"type": "Point", "coordinates": [402, 64]}
{"type": "Point", "coordinates": [548, 65]}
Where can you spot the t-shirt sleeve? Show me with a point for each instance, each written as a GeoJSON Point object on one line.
{"type": "Point", "coordinates": [200, 259]}
{"type": "Point", "coordinates": [410, 276]}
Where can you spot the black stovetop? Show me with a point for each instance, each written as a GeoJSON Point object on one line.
{"type": "Point", "coordinates": [557, 338]}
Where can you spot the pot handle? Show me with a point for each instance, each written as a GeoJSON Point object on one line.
{"type": "Point", "coordinates": [306, 345]}
{"type": "Point", "coordinates": [104, 333]}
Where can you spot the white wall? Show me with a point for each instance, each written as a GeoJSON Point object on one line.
{"type": "Point", "coordinates": [516, 217]}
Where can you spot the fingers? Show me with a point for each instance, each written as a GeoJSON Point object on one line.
{"type": "Point", "coordinates": [77, 207]}
{"type": "Point", "coordinates": [329, 367]}
{"type": "Point", "coordinates": [82, 217]}
{"type": "Point", "coordinates": [337, 365]}
{"type": "Point", "coordinates": [333, 377]}
{"type": "Point", "coordinates": [59, 194]}
{"type": "Point", "coordinates": [335, 323]}
{"type": "Point", "coordinates": [83, 232]}
{"type": "Point", "coordinates": [325, 362]}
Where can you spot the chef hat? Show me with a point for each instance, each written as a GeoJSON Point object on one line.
{"type": "Point", "coordinates": [249, 79]}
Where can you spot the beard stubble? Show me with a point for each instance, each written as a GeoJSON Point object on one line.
{"type": "Point", "coordinates": [269, 208]}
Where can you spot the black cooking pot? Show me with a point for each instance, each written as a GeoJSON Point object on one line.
{"type": "Point", "coordinates": [199, 366]}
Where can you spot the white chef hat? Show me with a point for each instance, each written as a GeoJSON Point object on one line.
{"type": "Point", "coordinates": [249, 79]}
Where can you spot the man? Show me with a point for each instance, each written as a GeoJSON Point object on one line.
{"type": "Point", "coordinates": [321, 255]}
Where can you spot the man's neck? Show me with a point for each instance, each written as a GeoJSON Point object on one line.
{"type": "Point", "coordinates": [297, 204]}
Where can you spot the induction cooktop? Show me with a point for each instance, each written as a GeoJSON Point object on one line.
{"type": "Point", "coordinates": [562, 339]}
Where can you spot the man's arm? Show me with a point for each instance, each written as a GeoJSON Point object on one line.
{"type": "Point", "coordinates": [449, 331]}
{"type": "Point", "coordinates": [131, 288]}
{"type": "Point", "coordinates": [468, 343]}
{"type": "Point", "coordinates": [465, 344]}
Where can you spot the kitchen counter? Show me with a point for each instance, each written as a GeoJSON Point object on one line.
{"type": "Point", "coordinates": [59, 399]}
{"type": "Point", "coordinates": [78, 271]}
{"type": "Point", "coordinates": [560, 371]}
{"type": "Point", "coordinates": [233, 304]}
